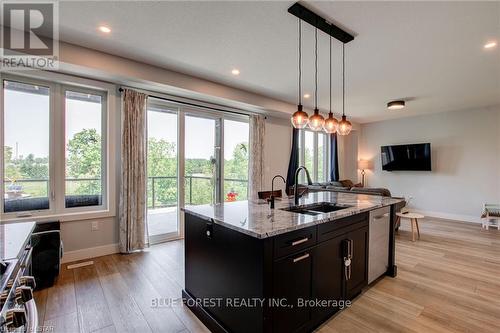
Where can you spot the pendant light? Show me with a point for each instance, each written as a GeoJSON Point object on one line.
{"type": "Point", "coordinates": [300, 119]}
{"type": "Point", "coordinates": [316, 121]}
{"type": "Point", "coordinates": [345, 125]}
{"type": "Point", "coordinates": [331, 124]}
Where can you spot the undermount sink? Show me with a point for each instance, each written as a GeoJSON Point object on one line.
{"type": "Point", "coordinates": [300, 211]}
{"type": "Point", "coordinates": [316, 208]}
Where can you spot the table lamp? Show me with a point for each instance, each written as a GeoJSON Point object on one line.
{"type": "Point", "coordinates": [363, 165]}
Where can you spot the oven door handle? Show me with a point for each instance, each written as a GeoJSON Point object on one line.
{"type": "Point", "coordinates": [31, 316]}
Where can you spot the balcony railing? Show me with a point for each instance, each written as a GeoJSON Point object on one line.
{"type": "Point", "coordinates": [161, 191]}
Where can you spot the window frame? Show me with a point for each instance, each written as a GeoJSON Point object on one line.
{"type": "Point", "coordinates": [326, 156]}
{"type": "Point", "coordinates": [58, 85]}
{"type": "Point", "coordinates": [164, 101]}
{"type": "Point", "coordinates": [104, 147]}
{"type": "Point", "coordinates": [51, 185]}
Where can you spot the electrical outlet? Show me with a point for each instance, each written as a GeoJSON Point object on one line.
{"type": "Point", "coordinates": [95, 226]}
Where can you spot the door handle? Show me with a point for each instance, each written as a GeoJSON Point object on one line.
{"type": "Point", "coordinates": [302, 257]}
{"type": "Point", "coordinates": [348, 255]}
{"type": "Point", "coordinates": [209, 230]}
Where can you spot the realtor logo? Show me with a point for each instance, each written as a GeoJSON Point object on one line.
{"type": "Point", "coordinates": [30, 35]}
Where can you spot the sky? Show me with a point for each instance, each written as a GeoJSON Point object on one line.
{"type": "Point", "coordinates": [199, 133]}
{"type": "Point", "coordinates": [27, 121]}
{"type": "Point", "coordinates": [27, 124]}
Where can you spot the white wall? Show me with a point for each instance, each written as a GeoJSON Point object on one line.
{"type": "Point", "coordinates": [465, 161]}
{"type": "Point", "coordinates": [348, 156]}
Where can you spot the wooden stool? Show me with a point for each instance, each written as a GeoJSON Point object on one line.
{"type": "Point", "coordinates": [414, 222]}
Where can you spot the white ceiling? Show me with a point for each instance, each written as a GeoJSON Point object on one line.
{"type": "Point", "coordinates": [430, 53]}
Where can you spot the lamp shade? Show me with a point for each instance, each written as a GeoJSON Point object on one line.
{"type": "Point", "coordinates": [363, 164]}
{"type": "Point", "coordinates": [316, 121]}
{"type": "Point", "coordinates": [345, 126]}
{"type": "Point", "coordinates": [331, 124]}
{"type": "Point", "coordinates": [300, 119]}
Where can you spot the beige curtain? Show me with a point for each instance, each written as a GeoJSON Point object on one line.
{"type": "Point", "coordinates": [256, 163]}
{"type": "Point", "coordinates": [132, 215]}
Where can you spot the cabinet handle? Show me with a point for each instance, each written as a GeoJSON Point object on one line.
{"type": "Point", "coordinates": [302, 257]}
{"type": "Point", "coordinates": [300, 241]}
{"type": "Point", "coordinates": [381, 216]}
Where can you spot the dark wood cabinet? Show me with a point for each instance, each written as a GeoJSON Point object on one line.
{"type": "Point", "coordinates": [305, 264]}
{"type": "Point", "coordinates": [292, 281]}
{"type": "Point", "coordinates": [328, 268]}
{"type": "Point", "coordinates": [359, 262]}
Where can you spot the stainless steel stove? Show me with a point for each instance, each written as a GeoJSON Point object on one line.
{"type": "Point", "coordinates": [18, 307]}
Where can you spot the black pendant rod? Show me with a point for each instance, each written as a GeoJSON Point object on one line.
{"type": "Point", "coordinates": [343, 79]}
{"type": "Point", "coordinates": [300, 62]}
{"type": "Point", "coordinates": [330, 74]}
{"type": "Point", "coordinates": [316, 70]}
{"type": "Point", "coordinates": [319, 22]}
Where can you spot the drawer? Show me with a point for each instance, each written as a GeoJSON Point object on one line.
{"type": "Point", "coordinates": [330, 230]}
{"type": "Point", "coordinates": [294, 241]}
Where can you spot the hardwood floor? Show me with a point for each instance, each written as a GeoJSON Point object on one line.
{"type": "Point", "coordinates": [448, 281]}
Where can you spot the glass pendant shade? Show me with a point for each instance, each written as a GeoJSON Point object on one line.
{"type": "Point", "coordinates": [300, 119]}
{"type": "Point", "coordinates": [316, 121]}
{"type": "Point", "coordinates": [345, 126]}
{"type": "Point", "coordinates": [331, 124]}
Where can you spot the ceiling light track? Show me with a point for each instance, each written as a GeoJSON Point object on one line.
{"type": "Point", "coordinates": [321, 23]}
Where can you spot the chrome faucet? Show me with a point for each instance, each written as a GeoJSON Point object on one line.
{"type": "Point", "coordinates": [295, 186]}
{"type": "Point", "coordinates": [271, 199]}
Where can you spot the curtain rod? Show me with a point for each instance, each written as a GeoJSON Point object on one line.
{"type": "Point", "coordinates": [243, 113]}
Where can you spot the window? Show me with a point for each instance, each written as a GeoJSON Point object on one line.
{"type": "Point", "coordinates": [235, 160]}
{"type": "Point", "coordinates": [200, 160]}
{"type": "Point", "coordinates": [162, 168]}
{"type": "Point", "coordinates": [48, 171]}
{"type": "Point", "coordinates": [313, 154]}
{"type": "Point", "coordinates": [309, 153]}
{"type": "Point", "coordinates": [84, 149]}
{"type": "Point", "coordinates": [26, 147]}
{"type": "Point", "coordinates": [322, 160]}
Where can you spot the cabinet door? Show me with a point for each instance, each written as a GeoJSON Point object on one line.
{"type": "Point", "coordinates": [291, 281]}
{"type": "Point", "coordinates": [359, 262]}
{"type": "Point", "coordinates": [328, 275]}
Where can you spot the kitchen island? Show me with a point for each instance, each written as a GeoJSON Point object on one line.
{"type": "Point", "coordinates": [252, 269]}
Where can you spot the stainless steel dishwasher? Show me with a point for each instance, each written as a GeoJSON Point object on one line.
{"type": "Point", "coordinates": [378, 255]}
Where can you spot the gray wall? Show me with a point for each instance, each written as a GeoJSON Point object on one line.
{"type": "Point", "coordinates": [465, 163]}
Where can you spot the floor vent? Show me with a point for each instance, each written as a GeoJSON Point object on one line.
{"type": "Point", "coordinates": [81, 264]}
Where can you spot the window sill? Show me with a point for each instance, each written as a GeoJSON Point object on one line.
{"type": "Point", "coordinates": [66, 217]}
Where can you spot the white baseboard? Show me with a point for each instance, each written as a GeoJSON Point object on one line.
{"type": "Point", "coordinates": [449, 216]}
{"type": "Point", "coordinates": [89, 253]}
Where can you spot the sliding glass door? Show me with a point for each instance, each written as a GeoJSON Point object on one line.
{"type": "Point", "coordinates": [195, 157]}
{"type": "Point", "coordinates": [201, 160]}
{"type": "Point", "coordinates": [236, 135]}
{"type": "Point", "coordinates": [162, 169]}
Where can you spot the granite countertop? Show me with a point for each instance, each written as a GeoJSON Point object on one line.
{"type": "Point", "coordinates": [256, 219]}
{"type": "Point", "coordinates": [13, 238]}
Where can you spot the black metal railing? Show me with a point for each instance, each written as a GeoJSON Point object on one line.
{"type": "Point", "coordinates": [162, 190]}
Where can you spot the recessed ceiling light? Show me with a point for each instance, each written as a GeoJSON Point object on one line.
{"type": "Point", "coordinates": [490, 45]}
{"type": "Point", "coordinates": [235, 71]}
{"type": "Point", "coordinates": [396, 105]}
{"type": "Point", "coordinates": [307, 95]}
{"type": "Point", "coordinates": [104, 29]}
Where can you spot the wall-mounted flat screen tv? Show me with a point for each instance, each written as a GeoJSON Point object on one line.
{"type": "Point", "coordinates": [412, 157]}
